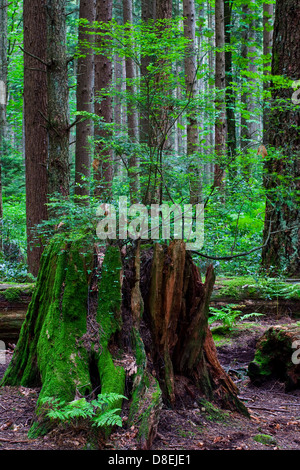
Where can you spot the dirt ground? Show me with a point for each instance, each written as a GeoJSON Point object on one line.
{"type": "Point", "coordinates": [274, 412]}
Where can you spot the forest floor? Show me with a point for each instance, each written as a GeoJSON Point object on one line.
{"type": "Point", "coordinates": [273, 412]}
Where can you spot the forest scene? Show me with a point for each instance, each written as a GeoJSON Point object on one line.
{"type": "Point", "coordinates": [149, 226]}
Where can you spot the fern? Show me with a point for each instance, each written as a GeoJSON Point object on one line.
{"type": "Point", "coordinates": [108, 418]}
{"type": "Point", "coordinates": [99, 411]}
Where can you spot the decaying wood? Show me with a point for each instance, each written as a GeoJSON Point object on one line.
{"type": "Point", "coordinates": [177, 304]}
{"type": "Point", "coordinates": [151, 311]}
{"type": "Point", "coordinates": [277, 355]}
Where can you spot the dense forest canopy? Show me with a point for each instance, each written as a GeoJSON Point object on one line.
{"type": "Point", "coordinates": [176, 106]}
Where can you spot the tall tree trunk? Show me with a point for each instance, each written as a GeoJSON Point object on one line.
{"type": "Point", "coordinates": [132, 118]}
{"type": "Point", "coordinates": [85, 97]}
{"type": "Point", "coordinates": [282, 167]}
{"type": "Point", "coordinates": [230, 95]}
{"type": "Point", "coordinates": [191, 83]}
{"type": "Point", "coordinates": [268, 13]}
{"type": "Point", "coordinates": [35, 123]}
{"type": "Point", "coordinates": [58, 99]}
{"type": "Point", "coordinates": [220, 124]}
{"type": "Point", "coordinates": [148, 8]}
{"type": "Point", "coordinates": [159, 119]}
{"type": "Point", "coordinates": [249, 128]}
{"type": "Point", "coordinates": [3, 100]}
{"type": "Point", "coordinates": [103, 164]}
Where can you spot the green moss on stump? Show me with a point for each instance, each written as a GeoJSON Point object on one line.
{"type": "Point", "coordinates": [51, 352]}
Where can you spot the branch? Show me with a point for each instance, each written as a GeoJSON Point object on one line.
{"type": "Point", "coordinates": [34, 57]}
{"type": "Point", "coordinates": [5, 6]}
{"type": "Point", "coordinates": [228, 258]}
{"type": "Point", "coordinates": [245, 253]}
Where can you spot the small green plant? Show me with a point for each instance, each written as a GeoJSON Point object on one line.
{"type": "Point", "coordinates": [100, 412]}
{"type": "Point", "coordinates": [229, 315]}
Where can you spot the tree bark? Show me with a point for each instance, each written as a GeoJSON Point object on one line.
{"type": "Point", "coordinates": [249, 128]}
{"type": "Point", "coordinates": [58, 99]}
{"type": "Point", "coordinates": [220, 123]}
{"type": "Point", "coordinates": [230, 96]}
{"type": "Point", "coordinates": [281, 252]}
{"type": "Point", "coordinates": [35, 124]}
{"type": "Point", "coordinates": [268, 13]}
{"type": "Point", "coordinates": [103, 163]}
{"type": "Point", "coordinates": [191, 83]}
{"type": "Point", "coordinates": [3, 100]}
{"type": "Point", "coordinates": [96, 321]}
{"type": "Point", "coordinates": [132, 118]}
{"type": "Point", "coordinates": [85, 98]}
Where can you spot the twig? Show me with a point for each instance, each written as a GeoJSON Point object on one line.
{"type": "Point", "coordinates": [5, 6]}
{"type": "Point", "coordinates": [34, 56]}
{"type": "Point", "coordinates": [228, 258]}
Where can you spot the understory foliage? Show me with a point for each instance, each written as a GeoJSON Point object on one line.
{"type": "Point", "coordinates": [99, 412]}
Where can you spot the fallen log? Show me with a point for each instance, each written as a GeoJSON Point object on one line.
{"type": "Point", "coordinates": [14, 301]}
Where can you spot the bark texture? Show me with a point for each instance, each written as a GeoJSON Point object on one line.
{"type": "Point", "coordinates": [103, 163]}
{"type": "Point", "coordinates": [85, 97]}
{"type": "Point", "coordinates": [132, 117]}
{"type": "Point", "coordinates": [58, 99]}
{"type": "Point", "coordinates": [220, 124]}
{"type": "Point", "coordinates": [3, 99]}
{"type": "Point", "coordinates": [282, 165]}
{"type": "Point", "coordinates": [35, 123]}
{"type": "Point", "coordinates": [191, 82]}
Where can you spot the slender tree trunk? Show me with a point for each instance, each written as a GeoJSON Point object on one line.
{"type": "Point", "coordinates": [220, 124]}
{"type": "Point", "coordinates": [282, 168]}
{"type": "Point", "coordinates": [85, 97]}
{"type": "Point", "coordinates": [3, 100]}
{"type": "Point", "coordinates": [58, 99]}
{"type": "Point", "coordinates": [103, 162]}
{"type": "Point", "coordinates": [249, 128]}
{"type": "Point", "coordinates": [35, 123]}
{"type": "Point", "coordinates": [191, 83]}
{"type": "Point", "coordinates": [159, 120]}
{"type": "Point", "coordinates": [230, 95]}
{"type": "Point", "coordinates": [132, 118]}
{"type": "Point", "coordinates": [148, 9]}
{"type": "Point", "coordinates": [268, 13]}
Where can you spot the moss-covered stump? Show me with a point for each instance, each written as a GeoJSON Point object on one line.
{"type": "Point", "coordinates": [277, 356]}
{"type": "Point", "coordinates": [133, 325]}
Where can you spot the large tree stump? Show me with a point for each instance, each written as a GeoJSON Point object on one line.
{"type": "Point", "coordinates": [98, 322]}
{"type": "Point", "coordinates": [277, 356]}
